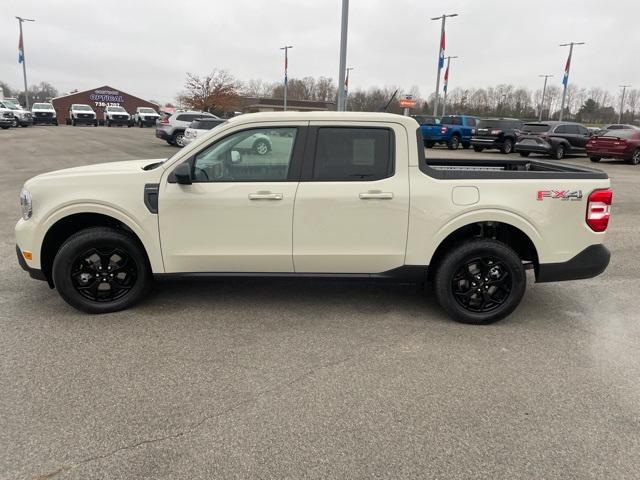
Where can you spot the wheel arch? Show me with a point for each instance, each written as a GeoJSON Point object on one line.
{"type": "Point", "coordinates": [62, 228]}
{"type": "Point", "coordinates": [511, 235]}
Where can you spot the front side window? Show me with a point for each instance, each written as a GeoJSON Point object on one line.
{"type": "Point", "coordinates": [471, 122]}
{"type": "Point", "coordinates": [256, 155]}
{"type": "Point", "coordinates": [353, 154]}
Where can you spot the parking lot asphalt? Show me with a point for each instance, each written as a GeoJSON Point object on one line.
{"type": "Point", "coordinates": [312, 378]}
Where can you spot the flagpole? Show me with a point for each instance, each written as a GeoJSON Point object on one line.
{"type": "Point", "coordinates": [286, 68]}
{"type": "Point", "coordinates": [440, 58]}
{"type": "Point", "coordinates": [24, 62]}
{"type": "Point", "coordinates": [565, 79]}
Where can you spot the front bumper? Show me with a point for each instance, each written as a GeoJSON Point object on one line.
{"type": "Point", "coordinates": [45, 120]}
{"type": "Point", "coordinates": [33, 272]}
{"type": "Point", "coordinates": [118, 121]}
{"type": "Point", "coordinates": [25, 121]}
{"type": "Point", "coordinates": [86, 121]}
{"type": "Point", "coordinates": [589, 263]}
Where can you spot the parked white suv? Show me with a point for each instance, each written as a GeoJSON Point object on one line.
{"type": "Point", "coordinates": [145, 117]}
{"type": "Point", "coordinates": [116, 115]}
{"type": "Point", "coordinates": [80, 113]}
{"type": "Point", "coordinates": [44, 113]}
{"type": "Point", "coordinates": [21, 117]}
{"type": "Point", "coordinates": [367, 204]}
{"type": "Point", "coordinates": [171, 128]}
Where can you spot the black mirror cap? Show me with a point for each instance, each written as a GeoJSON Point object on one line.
{"type": "Point", "coordinates": [182, 174]}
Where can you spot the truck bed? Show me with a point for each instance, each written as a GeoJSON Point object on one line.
{"type": "Point", "coordinates": [466, 168]}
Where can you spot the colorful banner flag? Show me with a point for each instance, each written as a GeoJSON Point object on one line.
{"type": "Point", "coordinates": [446, 79]}
{"type": "Point", "coordinates": [565, 78]}
{"type": "Point", "coordinates": [20, 49]}
{"type": "Point", "coordinates": [442, 45]}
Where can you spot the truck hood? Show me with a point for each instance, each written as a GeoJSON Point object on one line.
{"type": "Point", "coordinates": [112, 168]}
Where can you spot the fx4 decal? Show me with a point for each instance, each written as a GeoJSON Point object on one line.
{"type": "Point", "coordinates": [567, 195]}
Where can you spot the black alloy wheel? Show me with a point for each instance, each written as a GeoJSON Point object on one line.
{"type": "Point", "coordinates": [103, 274]}
{"type": "Point", "coordinates": [482, 284]}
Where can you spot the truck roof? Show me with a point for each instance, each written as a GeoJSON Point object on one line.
{"type": "Point", "coordinates": [325, 116]}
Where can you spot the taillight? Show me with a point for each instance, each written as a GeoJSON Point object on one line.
{"type": "Point", "coordinates": [443, 130]}
{"type": "Point", "coordinates": [599, 209]}
{"type": "Point", "coordinates": [165, 121]}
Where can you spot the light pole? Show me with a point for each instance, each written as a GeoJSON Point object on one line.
{"type": "Point", "coordinates": [343, 56]}
{"type": "Point", "coordinates": [286, 68]}
{"type": "Point", "coordinates": [346, 88]}
{"type": "Point", "coordinates": [443, 18]}
{"type": "Point", "coordinates": [544, 91]}
{"type": "Point", "coordinates": [446, 85]}
{"type": "Point", "coordinates": [565, 79]}
{"type": "Point", "coordinates": [21, 59]}
{"type": "Point", "coordinates": [624, 90]}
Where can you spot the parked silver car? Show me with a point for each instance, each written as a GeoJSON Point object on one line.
{"type": "Point", "coordinates": [171, 128]}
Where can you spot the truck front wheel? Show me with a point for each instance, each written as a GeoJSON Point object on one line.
{"type": "Point", "coordinates": [101, 270]}
{"type": "Point", "coordinates": [480, 281]}
{"type": "Point", "coordinates": [453, 143]}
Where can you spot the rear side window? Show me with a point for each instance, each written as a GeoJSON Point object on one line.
{"type": "Point", "coordinates": [451, 120]}
{"type": "Point", "coordinates": [573, 129]}
{"type": "Point", "coordinates": [203, 124]}
{"type": "Point", "coordinates": [471, 122]}
{"type": "Point", "coordinates": [561, 129]}
{"type": "Point", "coordinates": [535, 127]}
{"type": "Point", "coordinates": [353, 154]}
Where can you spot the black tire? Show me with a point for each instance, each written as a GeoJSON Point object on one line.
{"type": "Point", "coordinates": [68, 121]}
{"type": "Point", "coordinates": [477, 148]}
{"type": "Point", "coordinates": [55, 123]}
{"type": "Point", "coordinates": [453, 143]}
{"type": "Point", "coordinates": [140, 123]}
{"type": "Point", "coordinates": [524, 154]}
{"type": "Point", "coordinates": [466, 145]}
{"type": "Point", "coordinates": [507, 146]}
{"type": "Point", "coordinates": [595, 159]}
{"type": "Point", "coordinates": [482, 270]}
{"type": "Point", "coordinates": [558, 153]}
{"type": "Point", "coordinates": [127, 279]}
{"type": "Point", "coordinates": [15, 123]}
{"type": "Point", "coordinates": [635, 158]}
{"type": "Point", "coordinates": [73, 122]}
{"type": "Point", "coordinates": [177, 139]}
{"type": "Point", "coordinates": [108, 122]}
{"type": "Point", "coordinates": [95, 123]}
{"type": "Point", "coordinates": [6, 128]}
{"type": "Point", "coordinates": [261, 147]}
{"type": "Point", "coordinates": [428, 144]}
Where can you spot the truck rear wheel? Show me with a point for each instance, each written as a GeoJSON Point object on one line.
{"type": "Point", "coordinates": [594, 159]}
{"type": "Point", "coordinates": [101, 270]}
{"type": "Point", "coordinates": [480, 281]}
{"type": "Point", "coordinates": [453, 143]}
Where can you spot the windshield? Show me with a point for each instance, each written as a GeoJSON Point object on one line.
{"type": "Point", "coordinates": [535, 127]}
{"type": "Point", "coordinates": [12, 104]}
{"type": "Point", "coordinates": [43, 106]}
{"type": "Point", "coordinates": [115, 109]}
{"type": "Point", "coordinates": [82, 108]}
{"type": "Point", "coordinates": [146, 110]}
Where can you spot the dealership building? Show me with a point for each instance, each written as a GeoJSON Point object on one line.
{"type": "Point", "coordinates": [99, 98]}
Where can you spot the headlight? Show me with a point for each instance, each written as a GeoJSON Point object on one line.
{"type": "Point", "coordinates": [26, 204]}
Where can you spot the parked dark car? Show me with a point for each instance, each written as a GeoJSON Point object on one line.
{"type": "Point", "coordinates": [552, 138]}
{"type": "Point", "coordinates": [498, 133]}
{"type": "Point", "coordinates": [617, 143]}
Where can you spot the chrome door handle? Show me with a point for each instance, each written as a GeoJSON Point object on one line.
{"type": "Point", "coordinates": [376, 196]}
{"type": "Point", "coordinates": [265, 196]}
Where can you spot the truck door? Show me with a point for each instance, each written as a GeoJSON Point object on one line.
{"type": "Point", "coordinates": [352, 204]}
{"type": "Point", "coordinates": [237, 214]}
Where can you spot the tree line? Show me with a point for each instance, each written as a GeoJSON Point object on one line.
{"type": "Point", "coordinates": [220, 92]}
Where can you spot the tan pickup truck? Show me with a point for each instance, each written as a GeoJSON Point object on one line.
{"type": "Point", "coordinates": [338, 194]}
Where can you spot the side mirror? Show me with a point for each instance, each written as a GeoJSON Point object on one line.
{"type": "Point", "coordinates": [236, 156]}
{"type": "Point", "coordinates": [183, 174]}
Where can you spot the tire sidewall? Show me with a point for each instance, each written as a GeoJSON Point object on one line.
{"type": "Point", "coordinates": [84, 240]}
{"type": "Point", "coordinates": [463, 253]}
{"type": "Point", "coordinates": [559, 153]}
{"type": "Point", "coordinates": [635, 158]}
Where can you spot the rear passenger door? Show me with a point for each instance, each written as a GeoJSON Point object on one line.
{"type": "Point", "coordinates": [352, 204]}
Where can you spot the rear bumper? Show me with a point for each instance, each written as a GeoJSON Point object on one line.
{"type": "Point", "coordinates": [33, 272]}
{"type": "Point", "coordinates": [623, 155]}
{"type": "Point", "coordinates": [589, 263]}
{"type": "Point", "coordinates": [163, 134]}
{"type": "Point", "coordinates": [544, 148]}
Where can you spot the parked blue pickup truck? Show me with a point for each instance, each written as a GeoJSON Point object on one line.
{"type": "Point", "coordinates": [453, 131]}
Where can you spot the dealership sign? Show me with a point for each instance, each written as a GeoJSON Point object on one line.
{"type": "Point", "coordinates": [104, 98]}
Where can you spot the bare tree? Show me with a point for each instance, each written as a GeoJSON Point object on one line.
{"type": "Point", "coordinates": [216, 92]}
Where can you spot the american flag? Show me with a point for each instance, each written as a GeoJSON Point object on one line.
{"type": "Point", "coordinates": [20, 50]}
{"type": "Point", "coordinates": [442, 45]}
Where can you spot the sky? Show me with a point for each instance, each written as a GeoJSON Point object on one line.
{"type": "Point", "coordinates": [145, 47]}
